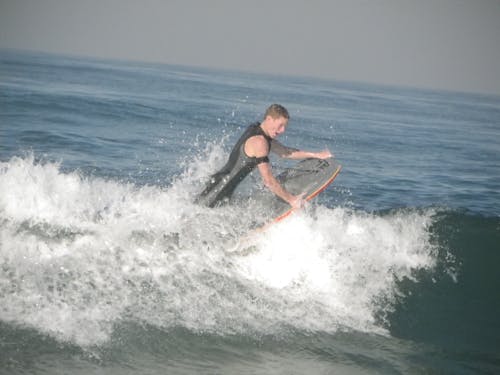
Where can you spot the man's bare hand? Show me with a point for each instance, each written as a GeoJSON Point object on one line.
{"type": "Point", "coordinates": [298, 201]}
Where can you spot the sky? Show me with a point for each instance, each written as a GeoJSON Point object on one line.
{"type": "Point", "coordinates": [438, 44]}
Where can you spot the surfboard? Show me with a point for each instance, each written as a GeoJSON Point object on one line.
{"type": "Point", "coordinates": [309, 177]}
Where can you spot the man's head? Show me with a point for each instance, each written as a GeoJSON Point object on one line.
{"type": "Point", "coordinates": [277, 110]}
{"type": "Point", "coordinates": [275, 120]}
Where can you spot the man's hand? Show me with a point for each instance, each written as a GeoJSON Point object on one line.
{"type": "Point", "coordinates": [298, 201]}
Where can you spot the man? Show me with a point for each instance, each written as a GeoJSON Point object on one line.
{"type": "Point", "coordinates": [252, 150]}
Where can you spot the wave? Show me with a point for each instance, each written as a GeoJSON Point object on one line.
{"type": "Point", "coordinates": [82, 255]}
{"type": "Point", "coordinates": [456, 306]}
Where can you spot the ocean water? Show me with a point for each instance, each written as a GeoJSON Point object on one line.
{"type": "Point", "coordinates": [107, 267]}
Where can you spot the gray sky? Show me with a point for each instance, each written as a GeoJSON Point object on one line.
{"type": "Point", "coordinates": [444, 44]}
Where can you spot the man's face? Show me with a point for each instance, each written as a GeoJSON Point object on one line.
{"type": "Point", "coordinates": [278, 126]}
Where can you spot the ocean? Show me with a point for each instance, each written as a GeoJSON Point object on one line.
{"type": "Point", "coordinates": [108, 267]}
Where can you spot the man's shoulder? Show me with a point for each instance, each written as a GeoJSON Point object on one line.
{"type": "Point", "coordinates": [257, 145]}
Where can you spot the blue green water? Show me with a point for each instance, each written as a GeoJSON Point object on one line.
{"type": "Point", "coordinates": [106, 265]}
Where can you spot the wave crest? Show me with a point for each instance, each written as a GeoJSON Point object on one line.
{"type": "Point", "coordinates": [82, 254]}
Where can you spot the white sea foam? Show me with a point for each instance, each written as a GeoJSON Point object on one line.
{"type": "Point", "coordinates": [80, 255]}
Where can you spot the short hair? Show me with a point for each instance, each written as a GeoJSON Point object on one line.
{"type": "Point", "coordinates": [276, 111]}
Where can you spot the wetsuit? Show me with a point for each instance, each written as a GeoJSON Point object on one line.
{"type": "Point", "coordinates": [223, 183]}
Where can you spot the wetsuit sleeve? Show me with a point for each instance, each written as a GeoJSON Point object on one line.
{"type": "Point", "coordinates": [261, 160]}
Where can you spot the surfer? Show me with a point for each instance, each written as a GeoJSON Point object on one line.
{"type": "Point", "coordinates": [252, 150]}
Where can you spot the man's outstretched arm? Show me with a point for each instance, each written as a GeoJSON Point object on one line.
{"type": "Point", "coordinates": [293, 153]}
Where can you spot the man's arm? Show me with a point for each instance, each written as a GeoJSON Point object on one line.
{"type": "Point", "coordinates": [257, 147]}
{"type": "Point", "coordinates": [293, 153]}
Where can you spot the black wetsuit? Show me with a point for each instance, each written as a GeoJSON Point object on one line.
{"type": "Point", "coordinates": [223, 183]}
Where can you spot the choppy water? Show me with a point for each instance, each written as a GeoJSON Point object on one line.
{"type": "Point", "coordinates": [106, 265]}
